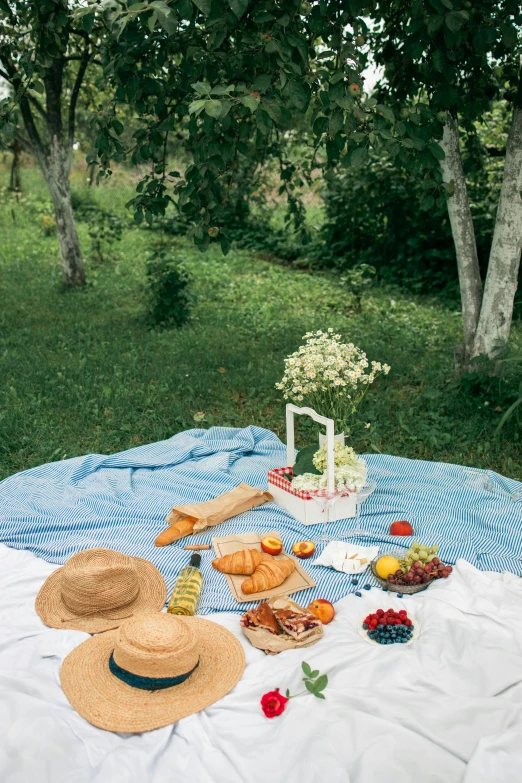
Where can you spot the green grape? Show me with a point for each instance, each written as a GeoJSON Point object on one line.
{"type": "Point", "coordinates": [434, 549]}
{"type": "Point", "coordinates": [415, 546]}
{"type": "Point", "coordinates": [423, 554]}
{"type": "Point", "coordinates": [430, 558]}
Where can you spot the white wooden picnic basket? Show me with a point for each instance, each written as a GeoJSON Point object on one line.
{"type": "Point", "coordinates": [299, 503]}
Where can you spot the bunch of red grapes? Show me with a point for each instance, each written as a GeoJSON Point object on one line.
{"type": "Point", "coordinates": [419, 573]}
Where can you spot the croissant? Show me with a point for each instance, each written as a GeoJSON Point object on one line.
{"type": "Point", "coordinates": [243, 562]}
{"type": "Point", "coordinates": [270, 573]}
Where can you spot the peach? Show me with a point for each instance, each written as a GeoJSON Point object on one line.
{"type": "Point", "coordinates": [303, 549]}
{"type": "Point", "coordinates": [272, 546]}
{"type": "Point", "coordinates": [322, 609]}
{"type": "Point", "coordinates": [401, 528]}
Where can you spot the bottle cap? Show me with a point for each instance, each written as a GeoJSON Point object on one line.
{"type": "Point", "coordinates": [195, 560]}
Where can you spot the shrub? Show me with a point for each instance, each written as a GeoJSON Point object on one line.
{"type": "Point", "coordinates": [170, 297]}
{"type": "Point", "coordinates": [373, 216]}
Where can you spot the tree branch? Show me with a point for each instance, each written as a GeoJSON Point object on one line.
{"type": "Point", "coordinates": [75, 93]}
{"type": "Point", "coordinates": [37, 105]}
{"type": "Point", "coordinates": [5, 76]}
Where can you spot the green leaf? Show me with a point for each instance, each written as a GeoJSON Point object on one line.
{"type": "Point", "coordinates": [454, 21]}
{"type": "Point", "coordinates": [261, 83]}
{"type": "Point", "coordinates": [287, 693]}
{"type": "Point", "coordinates": [310, 686]}
{"type": "Point", "coordinates": [509, 36]}
{"type": "Point", "coordinates": [435, 22]}
{"type": "Point", "coordinates": [202, 87]}
{"type": "Point", "coordinates": [238, 7]}
{"type": "Point", "coordinates": [250, 102]}
{"type": "Point", "coordinates": [306, 668]}
{"type": "Point", "coordinates": [336, 123]}
{"type": "Point", "coordinates": [436, 150]}
{"type": "Point", "coordinates": [214, 109]}
{"type": "Point", "coordinates": [359, 156]}
{"type": "Point", "coordinates": [314, 674]}
{"type": "Point", "coordinates": [203, 5]}
{"type": "Point", "coordinates": [196, 107]}
{"type": "Point", "coordinates": [225, 245]}
{"type": "Point", "coordinates": [303, 463]}
{"type": "Point", "coordinates": [427, 203]}
{"type": "Point", "coordinates": [168, 21]}
{"type": "Point", "coordinates": [88, 20]}
{"type": "Point", "coordinates": [263, 122]}
{"type": "Point", "coordinates": [320, 695]}
{"type": "Point", "coordinates": [222, 89]}
{"type": "Point", "coordinates": [386, 112]}
{"type": "Point", "coordinates": [321, 683]}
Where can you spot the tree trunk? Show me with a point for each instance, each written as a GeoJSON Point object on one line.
{"type": "Point", "coordinates": [502, 277]}
{"type": "Point", "coordinates": [464, 238]}
{"type": "Point", "coordinates": [56, 172]}
{"type": "Point", "coordinates": [15, 182]}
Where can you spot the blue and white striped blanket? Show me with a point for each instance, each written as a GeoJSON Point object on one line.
{"type": "Point", "coordinates": [121, 501]}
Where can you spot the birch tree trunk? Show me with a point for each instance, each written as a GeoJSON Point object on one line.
{"type": "Point", "coordinates": [56, 170]}
{"type": "Point", "coordinates": [464, 239]}
{"type": "Point", "coordinates": [502, 278]}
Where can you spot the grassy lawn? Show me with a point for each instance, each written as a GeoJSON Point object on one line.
{"type": "Point", "coordinates": [81, 372]}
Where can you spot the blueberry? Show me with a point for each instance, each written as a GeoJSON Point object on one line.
{"type": "Point", "coordinates": [365, 626]}
{"type": "Point", "coordinates": [380, 627]}
{"type": "Point", "coordinates": [355, 581]}
{"type": "Point", "coordinates": [400, 595]}
{"type": "Point", "coordinates": [385, 589]}
{"type": "Point", "coordinates": [367, 587]}
{"type": "Point", "coordinates": [358, 594]}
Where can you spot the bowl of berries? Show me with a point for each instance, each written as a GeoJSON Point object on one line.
{"type": "Point", "coordinates": [415, 571]}
{"type": "Point", "coordinates": [389, 627]}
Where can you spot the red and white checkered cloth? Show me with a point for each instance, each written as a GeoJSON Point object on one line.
{"type": "Point", "coordinates": [276, 476]}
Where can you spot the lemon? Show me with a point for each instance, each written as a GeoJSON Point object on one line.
{"type": "Point", "coordinates": [387, 565]}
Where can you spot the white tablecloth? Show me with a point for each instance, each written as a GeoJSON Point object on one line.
{"type": "Point", "coordinates": [447, 708]}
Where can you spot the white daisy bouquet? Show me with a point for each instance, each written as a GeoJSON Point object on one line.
{"type": "Point", "coordinates": [350, 471]}
{"type": "Point", "coordinates": [330, 376]}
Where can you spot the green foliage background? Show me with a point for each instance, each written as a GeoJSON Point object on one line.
{"type": "Point", "coordinates": [83, 372]}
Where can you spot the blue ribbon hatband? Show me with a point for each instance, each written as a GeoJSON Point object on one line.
{"type": "Point", "coordinates": [147, 683]}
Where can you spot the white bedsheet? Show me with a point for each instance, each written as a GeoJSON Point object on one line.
{"type": "Point", "coordinates": [447, 708]}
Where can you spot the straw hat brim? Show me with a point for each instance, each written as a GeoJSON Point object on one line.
{"type": "Point", "coordinates": [52, 610]}
{"type": "Point", "coordinates": [110, 704]}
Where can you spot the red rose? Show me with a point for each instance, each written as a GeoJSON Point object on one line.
{"type": "Point", "coordinates": [273, 703]}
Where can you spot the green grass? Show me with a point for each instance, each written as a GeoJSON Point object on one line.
{"type": "Point", "coordinates": [81, 372]}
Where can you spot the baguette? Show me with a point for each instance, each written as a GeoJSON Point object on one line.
{"type": "Point", "coordinates": [178, 530]}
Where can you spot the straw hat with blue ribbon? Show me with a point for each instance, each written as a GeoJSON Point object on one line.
{"type": "Point", "coordinates": [97, 589]}
{"type": "Point", "coordinates": [154, 670]}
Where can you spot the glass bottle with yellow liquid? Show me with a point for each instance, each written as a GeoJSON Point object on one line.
{"type": "Point", "coordinates": [185, 596]}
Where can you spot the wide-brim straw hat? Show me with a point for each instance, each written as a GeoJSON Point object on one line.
{"type": "Point", "coordinates": [97, 589]}
{"type": "Point", "coordinates": [189, 662]}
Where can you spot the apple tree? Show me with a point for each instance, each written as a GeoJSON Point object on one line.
{"type": "Point", "coordinates": [445, 62]}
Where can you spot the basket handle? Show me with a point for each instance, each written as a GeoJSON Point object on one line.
{"type": "Point", "coordinates": [330, 432]}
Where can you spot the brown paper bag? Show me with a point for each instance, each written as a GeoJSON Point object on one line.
{"type": "Point", "coordinates": [271, 644]}
{"type": "Point", "coordinates": [227, 505]}
{"type": "Point", "coordinates": [227, 545]}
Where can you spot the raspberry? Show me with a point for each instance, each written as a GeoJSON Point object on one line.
{"type": "Point", "coordinates": [379, 612]}
{"type": "Point", "coordinates": [407, 622]}
{"type": "Point", "coordinates": [403, 613]}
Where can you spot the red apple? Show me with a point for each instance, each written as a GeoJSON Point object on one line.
{"type": "Point", "coordinates": [272, 546]}
{"type": "Point", "coordinates": [322, 609]}
{"type": "Point", "coordinates": [303, 549]}
{"type": "Point", "coordinates": [401, 528]}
